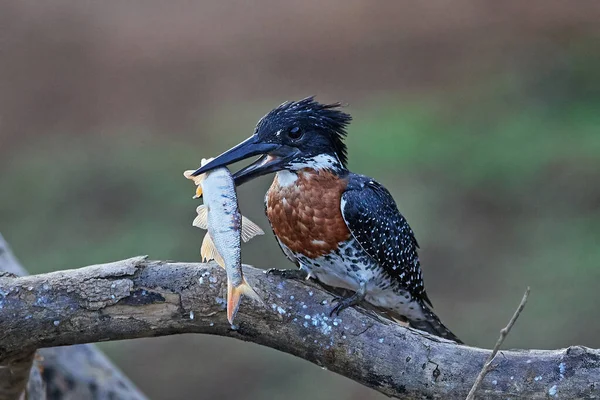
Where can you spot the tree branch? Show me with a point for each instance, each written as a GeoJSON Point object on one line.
{"type": "Point", "coordinates": [138, 298]}
{"type": "Point", "coordinates": [80, 371]}
{"type": "Point", "coordinates": [15, 373]}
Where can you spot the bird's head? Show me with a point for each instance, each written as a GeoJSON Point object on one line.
{"type": "Point", "coordinates": [293, 136]}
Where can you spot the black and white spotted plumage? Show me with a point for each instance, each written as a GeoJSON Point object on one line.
{"type": "Point", "coordinates": [380, 255]}
{"type": "Point", "coordinates": [384, 234]}
{"type": "Point", "coordinates": [375, 222]}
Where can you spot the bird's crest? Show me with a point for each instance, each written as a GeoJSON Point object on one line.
{"type": "Point", "coordinates": [327, 117]}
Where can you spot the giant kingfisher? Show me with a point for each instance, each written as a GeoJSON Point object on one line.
{"type": "Point", "coordinates": [340, 228]}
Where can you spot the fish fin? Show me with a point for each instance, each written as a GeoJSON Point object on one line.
{"type": "Point", "coordinates": [234, 295]}
{"type": "Point", "coordinates": [201, 221]}
{"type": "Point", "coordinates": [208, 251]}
{"type": "Point", "coordinates": [250, 229]}
{"type": "Point", "coordinates": [197, 180]}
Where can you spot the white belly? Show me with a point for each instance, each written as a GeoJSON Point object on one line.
{"type": "Point", "coordinates": [342, 268]}
{"type": "Point", "coordinates": [348, 267]}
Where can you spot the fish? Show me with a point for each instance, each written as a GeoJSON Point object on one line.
{"type": "Point", "coordinates": [227, 228]}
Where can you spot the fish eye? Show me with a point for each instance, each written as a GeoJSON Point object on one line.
{"type": "Point", "coordinates": [295, 133]}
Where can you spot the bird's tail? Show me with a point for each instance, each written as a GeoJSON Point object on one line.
{"type": "Point", "coordinates": [432, 324]}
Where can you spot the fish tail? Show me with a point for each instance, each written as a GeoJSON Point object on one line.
{"type": "Point", "coordinates": [234, 294]}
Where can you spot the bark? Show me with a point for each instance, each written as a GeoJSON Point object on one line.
{"type": "Point", "coordinates": [73, 372]}
{"type": "Point", "coordinates": [140, 298]}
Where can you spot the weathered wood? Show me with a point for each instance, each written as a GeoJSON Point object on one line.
{"type": "Point", "coordinates": [139, 298]}
{"type": "Point", "coordinates": [84, 372]}
{"type": "Point", "coordinates": [15, 373]}
{"type": "Point", "coordinates": [74, 372]}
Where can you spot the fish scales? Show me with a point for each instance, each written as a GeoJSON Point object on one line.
{"type": "Point", "coordinates": [224, 220]}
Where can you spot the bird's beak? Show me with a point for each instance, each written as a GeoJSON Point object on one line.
{"type": "Point", "coordinates": [274, 157]}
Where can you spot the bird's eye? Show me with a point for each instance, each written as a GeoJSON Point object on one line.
{"type": "Point", "coordinates": [295, 133]}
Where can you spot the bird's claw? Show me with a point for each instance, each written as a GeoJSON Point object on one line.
{"type": "Point", "coordinates": [343, 303]}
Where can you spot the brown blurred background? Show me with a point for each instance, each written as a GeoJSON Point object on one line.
{"type": "Point", "coordinates": [481, 117]}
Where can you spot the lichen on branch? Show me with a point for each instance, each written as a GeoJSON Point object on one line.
{"type": "Point", "coordinates": [137, 297]}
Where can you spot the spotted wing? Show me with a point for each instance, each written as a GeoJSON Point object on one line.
{"type": "Point", "coordinates": [375, 222]}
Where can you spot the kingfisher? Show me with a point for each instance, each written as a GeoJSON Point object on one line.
{"type": "Point", "coordinates": [340, 228]}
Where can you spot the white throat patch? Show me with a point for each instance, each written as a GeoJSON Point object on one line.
{"type": "Point", "coordinates": [286, 178]}
{"type": "Point", "coordinates": [321, 161]}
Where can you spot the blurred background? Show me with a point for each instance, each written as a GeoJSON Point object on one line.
{"type": "Point", "coordinates": [481, 117]}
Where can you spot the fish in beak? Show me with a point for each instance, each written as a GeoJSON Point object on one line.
{"type": "Point", "coordinates": [274, 157]}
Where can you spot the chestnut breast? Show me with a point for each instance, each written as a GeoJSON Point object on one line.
{"type": "Point", "coordinates": [306, 215]}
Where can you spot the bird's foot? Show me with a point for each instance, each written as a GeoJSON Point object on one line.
{"type": "Point", "coordinates": [297, 274]}
{"type": "Point", "coordinates": [345, 302]}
